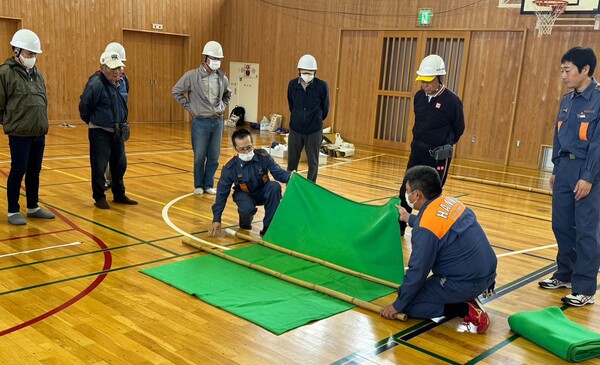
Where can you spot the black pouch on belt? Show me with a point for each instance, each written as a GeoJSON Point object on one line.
{"type": "Point", "coordinates": [442, 152]}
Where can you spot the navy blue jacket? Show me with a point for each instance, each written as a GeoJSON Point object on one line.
{"type": "Point", "coordinates": [448, 241]}
{"type": "Point", "coordinates": [255, 173]}
{"type": "Point", "coordinates": [577, 132]}
{"type": "Point", "coordinates": [101, 103]}
{"type": "Point", "coordinates": [308, 108]}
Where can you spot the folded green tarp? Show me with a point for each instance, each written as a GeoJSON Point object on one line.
{"type": "Point", "coordinates": [550, 329]}
{"type": "Point", "coordinates": [269, 302]}
{"type": "Point", "coordinates": [319, 223]}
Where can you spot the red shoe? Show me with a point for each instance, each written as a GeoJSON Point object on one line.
{"type": "Point", "coordinates": [477, 315]}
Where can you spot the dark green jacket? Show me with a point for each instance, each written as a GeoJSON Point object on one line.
{"type": "Point", "coordinates": [23, 102]}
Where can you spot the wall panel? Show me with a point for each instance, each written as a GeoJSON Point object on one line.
{"type": "Point", "coordinates": [275, 33]}
{"type": "Point", "coordinates": [75, 32]}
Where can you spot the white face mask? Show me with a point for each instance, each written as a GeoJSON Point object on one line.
{"type": "Point", "coordinates": [214, 65]}
{"type": "Point", "coordinates": [406, 195]}
{"type": "Point", "coordinates": [246, 156]}
{"type": "Point", "coordinates": [307, 77]}
{"type": "Point", "coordinates": [27, 62]}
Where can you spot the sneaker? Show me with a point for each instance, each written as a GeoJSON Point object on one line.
{"type": "Point", "coordinates": [102, 204]}
{"type": "Point", "coordinates": [125, 200]}
{"type": "Point", "coordinates": [17, 219]}
{"type": "Point", "coordinates": [245, 226]}
{"type": "Point", "coordinates": [211, 191]}
{"type": "Point", "coordinates": [40, 213]}
{"type": "Point", "coordinates": [553, 283]}
{"type": "Point", "coordinates": [477, 315]}
{"type": "Point", "coordinates": [198, 191]}
{"type": "Point", "coordinates": [578, 300]}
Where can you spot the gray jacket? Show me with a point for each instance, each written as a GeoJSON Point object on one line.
{"type": "Point", "coordinates": [189, 91]}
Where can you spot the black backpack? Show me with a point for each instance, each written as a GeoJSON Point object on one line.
{"type": "Point", "coordinates": [240, 112]}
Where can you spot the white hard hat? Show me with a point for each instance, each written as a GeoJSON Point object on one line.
{"type": "Point", "coordinates": [26, 39]}
{"type": "Point", "coordinates": [431, 66]}
{"type": "Point", "coordinates": [213, 49]}
{"type": "Point", "coordinates": [307, 62]}
{"type": "Point", "coordinates": [116, 47]}
{"type": "Point", "coordinates": [111, 60]}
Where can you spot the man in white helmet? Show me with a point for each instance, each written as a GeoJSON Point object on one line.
{"type": "Point", "coordinates": [308, 99]}
{"type": "Point", "coordinates": [104, 109]}
{"type": "Point", "coordinates": [24, 117]}
{"type": "Point", "coordinates": [439, 123]}
{"type": "Point", "coordinates": [204, 93]}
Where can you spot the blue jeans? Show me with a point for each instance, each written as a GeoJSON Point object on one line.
{"type": "Point", "coordinates": [104, 149]}
{"type": "Point", "coordinates": [206, 143]}
{"type": "Point", "coordinates": [26, 154]}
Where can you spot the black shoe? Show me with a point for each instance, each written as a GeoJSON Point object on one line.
{"type": "Point", "coordinates": [263, 231]}
{"type": "Point", "coordinates": [245, 226]}
{"type": "Point", "coordinates": [102, 204]}
{"type": "Point", "coordinates": [125, 200]}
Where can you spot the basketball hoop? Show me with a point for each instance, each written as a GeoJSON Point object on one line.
{"type": "Point", "coordinates": [547, 11]}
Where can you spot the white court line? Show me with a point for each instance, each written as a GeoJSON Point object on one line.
{"type": "Point", "coordinates": [515, 252]}
{"type": "Point", "coordinates": [40, 249]}
{"type": "Point", "coordinates": [165, 215]}
{"type": "Point", "coordinates": [525, 251]}
{"type": "Point", "coordinates": [345, 162]}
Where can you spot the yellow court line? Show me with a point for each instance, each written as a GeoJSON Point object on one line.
{"type": "Point", "coordinates": [75, 176]}
{"type": "Point", "coordinates": [163, 204]}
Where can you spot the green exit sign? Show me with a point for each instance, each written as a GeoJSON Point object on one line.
{"type": "Point", "coordinates": [424, 18]}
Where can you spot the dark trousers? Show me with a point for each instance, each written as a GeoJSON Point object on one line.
{"type": "Point", "coordinates": [269, 196]}
{"type": "Point", "coordinates": [421, 156]}
{"type": "Point", "coordinates": [26, 154]}
{"type": "Point", "coordinates": [576, 228]}
{"type": "Point", "coordinates": [312, 144]}
{"type": "Point", "coordinates": [104, 149]}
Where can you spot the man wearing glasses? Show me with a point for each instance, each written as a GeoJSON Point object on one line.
{"type": "Point", "coordinates": [102, 107]}
{"type": "Point", "coordinates": [248, 173]}
{"type": "Point", "coordinates": [204, 93]}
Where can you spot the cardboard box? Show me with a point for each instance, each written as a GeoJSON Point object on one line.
{"type": "Point", "coordinates": [277, 153]}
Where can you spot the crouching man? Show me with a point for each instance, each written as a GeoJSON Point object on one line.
{"type": "Point", "coordinates": [448, 241]}
{"type": "Point", "coordinates": [248, 173]}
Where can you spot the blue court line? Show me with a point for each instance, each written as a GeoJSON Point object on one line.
{"type": "Point", "coordinates": [401, 338]}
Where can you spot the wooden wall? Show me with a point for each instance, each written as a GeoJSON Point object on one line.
{"type": "Point", "coordinates": [74, 34]}
{"type": "Point", "coordinates": [275, 33]}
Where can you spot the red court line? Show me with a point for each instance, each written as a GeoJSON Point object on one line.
{"type": "Point", "coordinates": [107, 265]}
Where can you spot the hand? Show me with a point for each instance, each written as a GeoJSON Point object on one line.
{"type": "Point", "coordinates": [551, 182]}
{"type": "Point", "coordinates": [388, 312]}
{"type": "Point", "coordinates": [214, 229]}
{"type": "Point", "coordinates": [582, 189]}
{"type": "Point", "coordinates": [404, 215]}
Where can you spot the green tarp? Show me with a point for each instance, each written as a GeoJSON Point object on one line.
{"type": "Point", "coordinates": [550, 329]}
{"type": "Point", "coordinates": [272, 303]}
{"type": "Point", "coordinates": [313, 221]}
{"type": "Point", "coordinates": [319, 223]}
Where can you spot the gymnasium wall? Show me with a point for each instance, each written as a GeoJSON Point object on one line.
{"type": "Point", "coordinates": [74, 34]}
{"type": "Point", "coordinates": [502, 106]}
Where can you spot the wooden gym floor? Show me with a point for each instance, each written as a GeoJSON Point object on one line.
{"type": "Point", "coordinates": [71, 291]}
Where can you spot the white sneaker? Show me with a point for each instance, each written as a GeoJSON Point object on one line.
{"type": "Point", "coordinates": [211, 191]}
{"type": "Point", "coordinates": [198, 191]}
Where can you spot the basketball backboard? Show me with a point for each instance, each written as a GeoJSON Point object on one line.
{"type": "Point", "coordinates": [573, 7]}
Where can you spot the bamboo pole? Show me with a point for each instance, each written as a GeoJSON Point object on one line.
{"type": "Point", "coordinates": [317, 260]}
{"type": "Point", "coordinates": [321, 289]}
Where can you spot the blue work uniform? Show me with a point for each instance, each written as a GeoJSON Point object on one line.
{"type": "Point", "coordinates": [576, 155]}
{"type": "Point", "coordinates": [251, 187]}
{"type": "Point", "coordinates": [447, 241]}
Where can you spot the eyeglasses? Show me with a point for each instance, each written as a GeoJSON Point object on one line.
{"type": "Point", "coordinates": [213, 58]}
{"type": "Point", "coordinates": [245, 149]}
